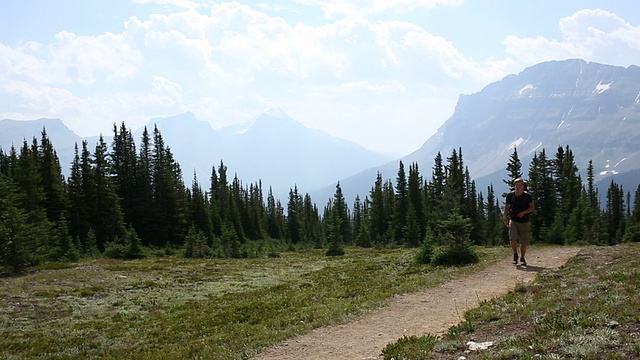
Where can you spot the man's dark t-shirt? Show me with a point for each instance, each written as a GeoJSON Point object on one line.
{"type": "Point", "coordinates": [518, 204]}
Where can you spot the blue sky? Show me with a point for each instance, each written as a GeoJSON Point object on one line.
{"type": "Point", "coordinates": [383, 73]}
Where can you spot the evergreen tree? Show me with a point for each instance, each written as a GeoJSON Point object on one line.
{"type": "Point", "coordinates": [363, 235]}
{"type": "Point", "coordinates": [275, 217]}
{"type": "Point", "coordinates": [169, 195]}
{"type": "Point", "coordinates": [142, 212]}
{"type": "Point", "coordinates": [18, 237]}
{"type": "Point", "coordinates": [337, 224]}
{"type": "Point", "coordinates": [196, 244]}
{"type": "Point", "coordinates": [514, 169]}
{"type": "Point", "coordinates": [312, 224]}
{"type": "Point", "coordinates": [341, 210]}
{"type": "Point", "coordinates": [52, 181]}
{"type": "Point", "coordinates": [79, 212]}
{"type": "Point", "coordinates": [401, 205]}
{"type": "Point", "coordinates": [454, 189]}
{"type": "Point", "coordinates": [107, 219]}
{"type": "Point", "coordinates": [615, 213]}
{"type": "Point", "coordinates": [377, 215]}
{"type": "Point", "coordinates": [416, 198]}
{"type": "Point", "coordinates": [237, 208]}
{"type": "Point", "coordinates": [215, 197]}
{"type": "Point", "coordinates": [199, 211]}
{"type": "Point", "coordinates": [494, 219]}
{"type": "Point", "coordinates": [389, 202]}
{"type": "Point", "coordinates": [125, 174]}
{"type": "Point", "coordinates": [543, 191]}
{"type": "Point", "coordinates": [434, 194]}
{"type": "Point", "coordinates": [411, 230]}
{"type": "Point", "coordinates": [63, 248]}
{"type": "Point", "coordinates": [294, 217]}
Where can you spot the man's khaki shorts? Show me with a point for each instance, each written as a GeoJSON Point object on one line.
{"type": "Point", "coordinates": [520, 231]}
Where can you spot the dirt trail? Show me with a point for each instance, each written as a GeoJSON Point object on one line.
{"type": "Point", "coordinates": [431, 311]}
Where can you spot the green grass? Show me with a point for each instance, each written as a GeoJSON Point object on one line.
{"type": "Point", "coordinates": [567, 313]}
{"type": "Point", "coordinates": [176, 308]}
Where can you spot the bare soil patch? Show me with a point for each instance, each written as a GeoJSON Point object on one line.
{"type": "Point", "coordinates": [431, 311]}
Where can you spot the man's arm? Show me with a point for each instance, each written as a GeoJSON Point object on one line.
{"type": "Point", "coordinates": [506, 213]}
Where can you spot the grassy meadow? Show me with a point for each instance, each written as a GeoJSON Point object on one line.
{"type": "Point", "coordinates": [175, 308]}
{"type": "Point", "coordinates": [588, 309]}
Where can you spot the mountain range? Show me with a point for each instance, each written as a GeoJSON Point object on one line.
{"type": "Point", "coordinates": [275, 150]}
{"type": "Point", "coordinates": [592, 108]}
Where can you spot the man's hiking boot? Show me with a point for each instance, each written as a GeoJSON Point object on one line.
{"type": "Point", "coordinates": [515, 258]}
{"type": "Point", "coordinates": [523, 262]}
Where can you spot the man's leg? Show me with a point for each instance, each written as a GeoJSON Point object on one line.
{"type": "Point", "coordinates": [525, 232]}
{"type": "Point", "coordinates": [514, 247]}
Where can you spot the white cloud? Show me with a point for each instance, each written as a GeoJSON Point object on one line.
{"type": "Point", "coordinates": [361, 8]}
{"type": "Point", "coordinates": [593, 35]}
{"type": "Point", "coordinates": [228, 62]}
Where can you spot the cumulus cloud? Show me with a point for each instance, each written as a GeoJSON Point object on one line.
{"type": "Point", "coordinates": [360, 8]}
{"type": "Point", "coordinates": [594, 35]}
{"type": "Point", "coordinates": [228, 62]}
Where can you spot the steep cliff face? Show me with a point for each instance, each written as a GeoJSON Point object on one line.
{"type": "Point", "coordinates": [593, 108]}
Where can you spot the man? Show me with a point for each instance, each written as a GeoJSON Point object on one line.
{"type": "Point", "coordinates": [518, 205]}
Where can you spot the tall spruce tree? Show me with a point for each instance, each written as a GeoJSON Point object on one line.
{"type": "Point", "coordinates": [124, 171]}
{"type": "Point", "coordinates": [79, 217]}
{"type": "Point", "coordinates": [106, 216]}
{"type": "Point", "coordinates": [514, 169]}
{"type": "Point", "coordinates": [294, 229]}
{"type": "Point", "coordinates": [275, 217]}
{"type": "Point", "coordinates": [416, 198]}
{"type": "Point", "coordinates": [615, 213]}
{"type": "Point", "coordinates": [377, 214]}
{"type": "Point", "coordinates": [401, 204]}
{"type": "Point", "coordinates": [52, 180]}
{"type": "Point", "coordinates": [19, 245]}
{"type": "Point", "coordinates": [543, 191]}
{"type": "Point", "coordinates": [169, 195]}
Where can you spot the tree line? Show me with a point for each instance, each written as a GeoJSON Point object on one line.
{"type": "Point", "coordinates": [126, 201]}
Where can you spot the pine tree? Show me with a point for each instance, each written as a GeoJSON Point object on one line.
{"type": "Point", "coordinates": [275, 217]}
{"type": "Point", "coordinates": [341, 210]}
{"type": "Point", "coordinates": [18, 237]}
{"type": "Point", "coordinates": [199, 211]}
{"type": "Point", "coordinates": [124, 172]}
{"type": "Point", "coordinates": [79, 213]}
{"type": "Point", "coordinates": [52, 181]}
{"type": "Point", "coordinates": [434, 194]}
{"type": "Point", "coordinates": [615, 213]}
{"type": "Point", "coordinates": [416, 198]}
{"type": "Point", "coordinates": [494, 219]}
{"type": "Point", "coordinates": [454, 189]}
{"type": "Point", "coordinates": [543, 191]}
{"type": "Point", "coordinates": [514, 169]}
{"type": "Point", "coordinates": [107, 219]}
{"type": "Point", "coordinates": [377, 214]}
{"type": "Point", "coordinates": [294, 229]}
{"type": "Point", "coordinates": [169, 195]}
{"type": "Point", "coordinates": [411, 230]}
{"type": "Point", "coordinates": [142, 212]}
{"type": "Point", "coordinates": [401, 205]}
{"type": "Point", "coordinates": [312, 224]}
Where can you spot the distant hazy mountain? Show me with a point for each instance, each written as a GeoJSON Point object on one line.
{"type": "Point", "coordinates": [275, 149]}
{"type": "Point", "coordinates": [14, 132]}
{"type": "Point", "coordinates": [593, 108]}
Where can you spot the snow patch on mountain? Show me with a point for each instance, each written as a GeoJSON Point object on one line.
{"type": "Point", "coordinates": [600, 88]}
{"type": "Point", "coordinates": [527, 87]}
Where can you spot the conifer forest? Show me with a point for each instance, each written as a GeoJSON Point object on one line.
{"type": "Point", "coordinates": [127, 201]}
